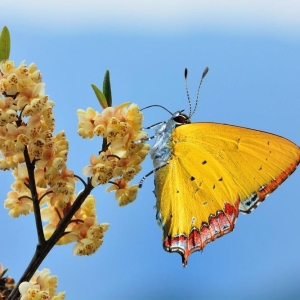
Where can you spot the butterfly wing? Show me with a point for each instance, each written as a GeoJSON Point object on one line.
{"type": "Point", "coordinates": [215, 171]}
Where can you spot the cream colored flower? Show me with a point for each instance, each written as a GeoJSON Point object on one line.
{"type": "Point", "coordinates": [18, 203]}
{"type": "Point", "coordinates": [90, 238]}
{"type": "Point", "coordinates": [42, 286]}
{"type": "Point", "coordinates": [124, 193]}
{"type": "Point", "coordinates": [86, 122]}
{"type": "Point", "coordinates": [120, 125]}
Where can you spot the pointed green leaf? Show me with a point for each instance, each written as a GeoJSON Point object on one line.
{"type": "Point", "coordinates": [101, 98]}
{"type": "Point", "coordinates": [4, 44]}
{"type": "Point", "coordinates": [3, 273]}
{"type": "Point", "coordinates": [107, 89]}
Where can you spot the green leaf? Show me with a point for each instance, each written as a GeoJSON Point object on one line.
{"type": "Point", "coordinates": [100, 96]}
{"type": "Point", "coordinates": [3, 273]}
{"type": "Point", "coordinates": [4, 44]}
{"type": "Point", "coordinates": [107, 89]}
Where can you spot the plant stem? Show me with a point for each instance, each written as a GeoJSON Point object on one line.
{"type": "Point", "coordinates": [42, 250]}
{"type": "Point", "coordinates": [35, 199]}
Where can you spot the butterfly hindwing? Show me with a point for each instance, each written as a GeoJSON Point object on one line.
{"type": "Point", "coordinates": [214, 171]}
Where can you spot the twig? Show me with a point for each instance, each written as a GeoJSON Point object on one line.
{"type": "Point", "coordinates": [42, 250]}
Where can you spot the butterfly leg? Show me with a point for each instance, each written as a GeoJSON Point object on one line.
{"type": "Point", "coordinates": [151, 172]}
{"type": "Point", "coordinates": [143, 140]}
{"type": "Point", "coordinates": [151, 137]}
{"type": "Point", "coordinates": [154, 125]}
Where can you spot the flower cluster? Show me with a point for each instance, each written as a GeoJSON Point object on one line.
{"type": "Point", "coordinates": [27, 140]}
{"type": "Point", "coordinates": [41, 286]}
{"type": "Point", "coordinates": [27, 126]}
{"type": "Point", "coordinates": [83, 228]}
{"type": "Point", "coordinates": [121, 126]}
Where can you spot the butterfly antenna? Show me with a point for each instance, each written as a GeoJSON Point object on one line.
{"type": "Point", "coordinates": [187, 90]}
{"type": "Point", "coordinates": [156, 105]}
{"type": "Point", "coordinates": [198, 92]}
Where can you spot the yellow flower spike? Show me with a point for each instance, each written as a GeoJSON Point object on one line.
{"type": "Point", "coordinates": [33, 293]}
{"type": "Point", "coordinates": [112, 130]}
{"type": "Point", "coordinates": [128, 196]}
{"type": "Point", "coordinates": [128, 167]}
{"type": "Point", "coordinates": [36, 77]}
{"type": "Point", "coordinates": [123, 129]}
{"type": "Point", "coordinates": [131, 172]}
{"type": "Point", "coordinates": [87, 247]}
{"type": "Point", "coordinates": [120, 125]}
{"type": "Point", "coordinates": [12, 79]}
{"type": "Point", "coordinates": [61, 136]}
{"type": "Point", "coordinates": [90, 238]}
{"type": "Point", "coordinates": [100, 178]}
{"type": "Point", "coordinates": [32, 68]}
{"type": "Point", "coordinates": [59, 200]}
{"type": "Point", "coordinates": [101, 168]}
{"type": "Point", "coordinates": [144, 151]}
{"type": "Point", "coordinates": [58, 163]}
{"type": "Point", "coordinates": [124, 193]}
{"type": "Point", "coordinates": [18, 204]}
{"type": "Point", "coordinates": [134, 148]}
{"type": "Point", "coordinates": [23, 70]}
{"type": "Point", "coordinates": [104, 226]}
{"type": "Point", "coordinates": [41, 286]}
{"type": "Point", "coordinates": [11, 162]}
{"type": "Point", "coordinates": [86, 122]}
{"type": "Point", "coordinates": [88, 209]}
{"type": "Point", "coordinates": [59, 296]}
{"type": "Point", "coordinates": [100, 130]}
{"type": "Point", "coordinates": [23, 138]}
{"type": "Point", "coordinates": [134, 116]}
{"type": "Point", "coordinates": [3, 85]}
{"type": "Point", "coordinates": [95, 233]}
{"type": "Point", "coordinates": [121, 107]}
{"type": "Point", "coordinates": [52, 283]}
{"type": "Point", "coordinates": [48, 136]}
{"type": "Point", "coordinates": [12, 115]}
{"type": "Point", "coordinates": [7, 66]}
{"type": "Point", "coordinates": [105, 116]}
{"type": "Point", "coordinates": [21, 176]}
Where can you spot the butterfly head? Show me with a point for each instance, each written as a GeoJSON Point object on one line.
{"type": "Point", "coordinates": [180, 119]}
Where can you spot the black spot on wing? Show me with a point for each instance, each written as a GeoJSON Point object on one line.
{"type": "Point", "coordinates": [250, 204]}
{"type": "Point", "coordinates": [252, 199]}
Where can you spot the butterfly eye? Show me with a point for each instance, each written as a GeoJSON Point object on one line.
{"type": "Point", "coordinates": [182, 119]}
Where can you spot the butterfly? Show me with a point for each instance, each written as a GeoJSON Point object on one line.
{"type": "Point", "coordinates": [206, 173]}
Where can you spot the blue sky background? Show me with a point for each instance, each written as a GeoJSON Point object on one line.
{"type": "Point", "coordinates": [252, 49]}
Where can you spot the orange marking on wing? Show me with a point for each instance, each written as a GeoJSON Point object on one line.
{"type": "Point", "coordinates": [278, 180]}
{"type": "Point", "coordinates": [218, 225]}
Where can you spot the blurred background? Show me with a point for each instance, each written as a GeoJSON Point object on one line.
{"type": "Point", "coordinates": [252, 49]}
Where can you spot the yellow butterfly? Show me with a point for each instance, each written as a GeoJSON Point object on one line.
{"type": "Point", "coordinates": [206, 173]}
